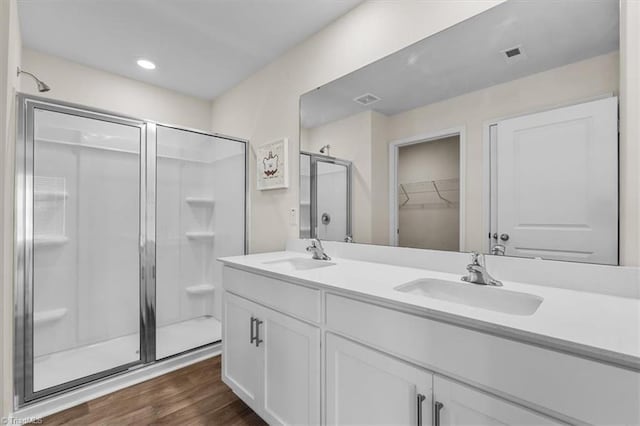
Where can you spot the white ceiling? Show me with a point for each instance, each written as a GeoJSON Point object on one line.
{"type": "Point", "coordinates": [468, 57]}
{"type": "Point", "coordinates": [201, 47]}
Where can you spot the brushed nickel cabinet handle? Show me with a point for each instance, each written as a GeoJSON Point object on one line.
{"type": "Point", "coordinates": [436, 413]}
{"type": "Point", "coordinates": [251, 333]}
{"type": "Point", "coordinates": [419, 400]}
{"type": "Point", "coordinates": [258, 339]}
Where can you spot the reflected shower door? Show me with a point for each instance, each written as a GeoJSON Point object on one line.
{"type": "Point", "coordinates": [332, 213]}
{"type": "Point", "coordinates": [305, 196]}
{"type": "Point", "coordinates": [200, 217]}
{"type": "Point", "coordinates": [83, 185]}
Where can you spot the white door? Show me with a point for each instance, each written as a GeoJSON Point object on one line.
{"type": "Point", "coordinates": [291, 367]}
{"type": "Point", "coordinates": [556, 183]}
{"type": "Point", "coordinates": [460, 405]}
{"type": "Point", "coordinates": [241, 359]}
{"type": "Point", "coordinates": [367, 387]}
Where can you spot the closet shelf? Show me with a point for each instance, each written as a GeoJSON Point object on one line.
{"type": "Point", "coordinates": [410, 191]}
{"type": "Point", "coordinates": [40, 195]}
{"type": "Point", "coordinates": [201, 289]}
{"type": "Point", "coordinates": [202, 236]}
{"type": "Point", "coordinates": [49, 240]}
{"type": "Point", "coordinates": [45, 317]}
{"type": "Point", "coordinates": [200, 201]}
{"type": "Point", "coordinates": [431, 186]}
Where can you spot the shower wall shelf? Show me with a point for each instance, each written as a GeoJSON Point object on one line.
{"type": "Point", "coordinates": [46, 317]}
{"type": "Point", "coordinates": [200, 201]}
{"type": "Point", "coordinates": [40, 195]}
{"type": "Point", "coordinates": [201, 289]}
{"type": "Point", "coordinates": [203, 236]}
{"type": "Point", "coordinates": [49, 240]}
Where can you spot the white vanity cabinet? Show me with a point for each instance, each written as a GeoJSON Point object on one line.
{"type": "Point", "coordinates": [365, 386]}
{"type": "Point", "coordinates": [292, 352]}
{"type": "Point", "coordinates": [241, 358]}
{"type": "Point", "coordinates": [272, 361]}
{"type": "Point", "coordinates": [368, 387]}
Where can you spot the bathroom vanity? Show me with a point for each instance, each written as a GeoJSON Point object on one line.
{"type": "Point", "coordinates": [350, 341]}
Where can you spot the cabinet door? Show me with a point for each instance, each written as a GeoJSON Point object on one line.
{"type": "Point", "coordinates": [367, 387]}
{"type": "Point", "coordinates": [291, 370]}
{"type": "Point", "coordinates": [462, 405]}
{"type": "Point", "coordinates": [241, 366]}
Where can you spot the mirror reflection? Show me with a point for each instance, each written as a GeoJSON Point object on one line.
{"type": "Point", "coordinates": [506, 143]}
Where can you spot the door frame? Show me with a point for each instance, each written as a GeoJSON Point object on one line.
{"type": "Point", "coordinates": [23, 393]}
{"type": "Point", "coordinates": [394, 148]}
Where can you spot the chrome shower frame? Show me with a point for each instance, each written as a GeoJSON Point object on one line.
{"type": "Point", "coordinates": [24, 393]}
{"type": "Point", "coordinates": [314, 160]}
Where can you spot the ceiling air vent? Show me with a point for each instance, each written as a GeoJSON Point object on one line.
{"type": "Point", "coordinates": [513, 54]}
{"type": "Point", "coordinates": [367, 99]}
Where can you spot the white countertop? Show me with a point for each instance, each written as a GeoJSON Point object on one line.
{"type": "Point", "coordinates": [601, 327]}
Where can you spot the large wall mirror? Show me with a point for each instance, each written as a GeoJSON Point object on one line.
{"type": "Point", "coordinates": [497, 135]}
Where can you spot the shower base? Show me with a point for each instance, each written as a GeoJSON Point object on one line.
{"type": "Point", "coordinates": [61, 367]}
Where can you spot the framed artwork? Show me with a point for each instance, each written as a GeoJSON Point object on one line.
{"type": "Point", "coordinates": [273, 165]}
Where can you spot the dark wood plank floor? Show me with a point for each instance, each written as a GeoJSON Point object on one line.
{"type": "Point", "coordinates": [193, 395]}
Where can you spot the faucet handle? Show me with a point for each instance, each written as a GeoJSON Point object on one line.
{"type": "Point", "coordinates": [475, 258]}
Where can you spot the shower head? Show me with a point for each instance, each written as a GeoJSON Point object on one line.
{"type": "Point", "coordinates": [42, 86]}
{"type": "Point", "coordinates": [325, 149]}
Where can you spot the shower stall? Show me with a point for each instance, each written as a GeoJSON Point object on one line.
{"type": "Point", "coordinates": [119, 222]}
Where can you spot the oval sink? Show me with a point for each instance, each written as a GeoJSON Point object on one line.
{"type": "Point", "coordinates": [298, 264]}
{"type": "Point", "coordinates": [492, 298]}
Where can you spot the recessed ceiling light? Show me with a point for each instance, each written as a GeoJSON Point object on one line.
{"type": "Point", "coordinates": [146, 64]}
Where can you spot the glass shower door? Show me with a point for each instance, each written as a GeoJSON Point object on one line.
{"type": "Point", "coordinates": [332, 213]}
{"type": "Point", "coordinates": [82, 237]}
{"type": "Point", "coordinates": [200, 217]}
{"type": "Point", "coordinates": [305, 195]}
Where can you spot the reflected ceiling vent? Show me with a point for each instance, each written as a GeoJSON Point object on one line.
{"type": "Point", "coordinates": [514, 54]}
{"type": "Point", "coordinates": [366, 99]}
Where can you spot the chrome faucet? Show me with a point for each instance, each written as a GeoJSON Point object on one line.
{"type": "Point", "coordinates": [317, 250]}
{"type": "Point", "coordinates": [498, 249]}
{"type": "Point", "coordinates": [478, 272]}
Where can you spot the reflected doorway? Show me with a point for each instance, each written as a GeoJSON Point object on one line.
{"type": "Point", "coordinates": [426, 204]}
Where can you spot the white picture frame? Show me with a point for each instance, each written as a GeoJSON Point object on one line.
{"type": "Point", "coordinates": [272, 164]}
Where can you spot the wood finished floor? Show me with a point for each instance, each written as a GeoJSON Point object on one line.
{"type": "Point", "coordinates": [193, 395]}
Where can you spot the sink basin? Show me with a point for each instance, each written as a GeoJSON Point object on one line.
{"type": "Point", "coordinates": [298, 264]}
{"type": "Point", "coordinates": [492, 298]}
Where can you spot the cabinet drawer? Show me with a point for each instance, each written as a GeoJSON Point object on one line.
{"type": "Point", "coordinates": [297, 300]}
{"type": "Point", "coordinates": [552, 382]}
